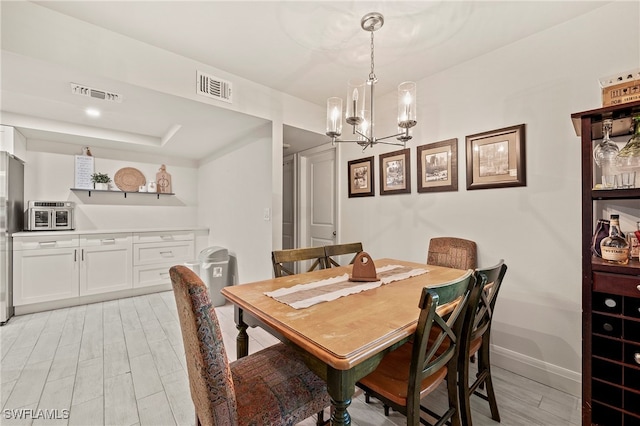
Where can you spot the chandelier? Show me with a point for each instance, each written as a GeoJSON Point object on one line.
{"type": "Point", "coordinates": [361, 116]}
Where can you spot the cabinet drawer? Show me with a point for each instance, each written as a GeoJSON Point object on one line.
{"type": "Point", "coordinates": [150, 253]}
{"type": "Point", "coordinates": [159, 237]}
{"type": "Point", "coordinates": [94, 240]}
{"type": "Point", "coordinates": [144, 276]}
{"type": "Point", "coordinates": [624, 285]}
{"type": "Point", "coordinates": [45, 242]}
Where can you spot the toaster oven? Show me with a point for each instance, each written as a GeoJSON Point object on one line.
{"type": "Point", "coordinates": [50, 216]}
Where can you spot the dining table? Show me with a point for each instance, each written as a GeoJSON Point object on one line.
{"type": "Point", "coordinates": [341, 340]}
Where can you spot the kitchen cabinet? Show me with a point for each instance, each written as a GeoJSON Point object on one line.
{"type": "Point", "coordinates": [610, 293]}
{"type": "Point", "coordinates": [155, 252]}
{"type": "Point", "coordinates": [45, 269]}
{"type": "Point", "coordinates": [57, 267]}
{"type": "Point", "coordinates": [105, 263]}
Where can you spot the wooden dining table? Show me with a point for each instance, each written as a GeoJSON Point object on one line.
{"type": "Point", "coordinates": [341, 340]}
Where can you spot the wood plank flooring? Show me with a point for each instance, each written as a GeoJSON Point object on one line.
{"type": "Point", "coordinates": [121, 363]}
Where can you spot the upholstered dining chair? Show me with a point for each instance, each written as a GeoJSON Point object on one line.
{"type": "Point", "coordinates": [270, 387]}
{"type": "Point", "coordinates": [478, 342]}
{"type": "Point", "coordinates": [453, 253]}
{"type": "Point", "coordinates": [339, 250]}
{"type": "Point", "coordinates": [414, 370]}
{"type": "Point", "coordinates": [281, 257]}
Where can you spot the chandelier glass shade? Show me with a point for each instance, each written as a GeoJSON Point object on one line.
{"type": "Point", "coordinates": [359, 108]}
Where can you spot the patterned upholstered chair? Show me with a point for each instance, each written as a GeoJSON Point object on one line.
{"type": "Point", "coordinates": [283, 260]}
{"type": "Point", "coordinates": [453, 253]}
{"type": "Point", "coordinates": [478, 342]}
{"type": "Point", "coordinates": [407, 375]}
{"type": "Point", "coordinates": [339, 250]}
{"type": "Point", "coordinates": [270, 387]}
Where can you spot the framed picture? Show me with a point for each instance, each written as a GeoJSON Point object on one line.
{"type": "Point", "coordinates": [395, 172]}
{"type": "Point", "coordinates": [361, 177]}
{"type": "Point", "coordinates": [438, 166]}
{"type": "Point", "coordinates": [496, 159]}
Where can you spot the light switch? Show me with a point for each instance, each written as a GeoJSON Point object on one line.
{"type": "Point", "coordinates": [267, 214]}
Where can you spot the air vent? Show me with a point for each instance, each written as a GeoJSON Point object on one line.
{"type": "Point", "coordinates": [213, 87]}
{"type": "Point", "coordinates": [79, 89]}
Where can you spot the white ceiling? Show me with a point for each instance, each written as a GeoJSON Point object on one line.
{"type": "Point", "coordinates": [306, 49]}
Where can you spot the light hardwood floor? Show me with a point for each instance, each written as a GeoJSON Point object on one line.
{"type": "Point", "coordinates": [121, 363]}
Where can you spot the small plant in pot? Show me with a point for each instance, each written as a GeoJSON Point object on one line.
{"type": "Point", "coordinates": [101, 181]}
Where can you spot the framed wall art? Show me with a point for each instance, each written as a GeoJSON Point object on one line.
{"type": "Point", "coordinates": [360, 174]}
{"type": "Point", "coordinates": [496, 159]}
{"type": "Point", "coordinates": [438, 166]}
{"type": "Point", "coordinates": [395, 172]}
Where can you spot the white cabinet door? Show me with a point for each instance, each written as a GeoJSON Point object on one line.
{"type": "Point", "coordinates": [105, 263]}
{"type": "Point", "coordinates": [44, 275]}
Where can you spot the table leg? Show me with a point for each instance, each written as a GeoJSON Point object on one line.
{"type": "Point", "coordinates": [242, 340]}
{"type": "Point", "coordinates": [340, 386]}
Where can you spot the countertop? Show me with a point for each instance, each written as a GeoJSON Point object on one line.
{"type": "Point", "coordinates": [109, 231]}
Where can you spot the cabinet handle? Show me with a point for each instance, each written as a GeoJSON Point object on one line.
{"type": "Point", "coordinates": [638, 287]}
{"type": "Point", "coordinates": [82, 251]}
{"type": "Point", "coordinates": [53, 243]}
{"type": "Point", "coordinates": [108, 241]}
{"type": "Point", "coordinates": [636, 356]}
{"type": "Point", "coordinates": [166, 253]}
{"type": "Point", "coordinates": [166, 275]}
{"type": "Point", "coordinates": [166, 237]}
{"type": "Point", "coordinates": [75, 255]}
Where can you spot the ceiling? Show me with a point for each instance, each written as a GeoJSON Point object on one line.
{"type": "Point", "coordinates": [306, 49]}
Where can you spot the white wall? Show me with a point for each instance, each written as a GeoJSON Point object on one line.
{"type": "Point", "coordinates": [538, 81]}
{"type": "Point", "coordinates": [234, 191]}
{"type": "Point", "coordinates": [49, 174]}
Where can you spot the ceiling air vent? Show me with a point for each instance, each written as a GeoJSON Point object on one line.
{"type": "Point", "coordinates": [213, 87]}
{"type": "Point", "coordinates": [79, 89]}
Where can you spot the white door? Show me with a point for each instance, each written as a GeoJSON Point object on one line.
{"type": "Point", "coordinates": [105, 263]}
{"type": "Point", "coordinates": [288, 202]}
{"type": "Point", "coordinates": [318, 212]}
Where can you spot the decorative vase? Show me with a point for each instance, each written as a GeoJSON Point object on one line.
{"type": "Point", "coordinates": [101, 186]}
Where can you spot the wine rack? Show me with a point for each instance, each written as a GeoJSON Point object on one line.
{"type": "Point", "coordinates": [610, 293]}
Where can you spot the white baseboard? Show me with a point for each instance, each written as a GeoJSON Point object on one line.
{"type": "Point", "coordinates": [548, 374]}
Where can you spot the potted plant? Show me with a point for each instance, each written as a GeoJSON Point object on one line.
{"type": "Point", "coordinates": [101, 181]}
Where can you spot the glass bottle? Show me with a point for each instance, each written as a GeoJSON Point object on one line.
{"type": "Point", "coordinates": [615, 248]}
{"type": "Point", "coordinates": [605, 154]}
{"type": "Point", "coordinates": [634, 242]}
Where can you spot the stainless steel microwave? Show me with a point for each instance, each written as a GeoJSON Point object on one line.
{"type": "Point", "coordinates": [50, 216]}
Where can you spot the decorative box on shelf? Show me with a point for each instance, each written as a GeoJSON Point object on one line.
{"type": "Point", "coordinates": [621, 88]}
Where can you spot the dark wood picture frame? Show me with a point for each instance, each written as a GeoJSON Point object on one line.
{"type": "Point", "coordinates": [496, 159]}
{"type": "Point", "coordinates": [361, 177]}
{"type": "Point", "coordinates": [395, 172]}
{"type": "Point", "coordinates": [438, 166]}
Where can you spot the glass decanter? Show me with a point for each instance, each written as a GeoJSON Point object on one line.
{"type": "Point", "coordinates": [606, 150]}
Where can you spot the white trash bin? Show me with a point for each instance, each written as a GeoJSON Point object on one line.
{"type": "Point", "coordinates": [214, 271]}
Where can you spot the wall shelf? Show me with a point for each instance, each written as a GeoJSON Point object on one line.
{"type": "Point", "coordinates": [108, 191]}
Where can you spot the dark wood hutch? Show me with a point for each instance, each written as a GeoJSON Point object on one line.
{"type": "Point", "coordinates": [610, 293]}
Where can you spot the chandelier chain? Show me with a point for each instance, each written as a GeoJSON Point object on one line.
{"type": "Point", "coordinates": [372, 75]}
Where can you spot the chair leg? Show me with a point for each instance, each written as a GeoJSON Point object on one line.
{"type": "Point", "coordinates": [320, 420]}
{"type": "Point", "coordinates": [464, 393]}
{"type": "Point", "coordinates": [484, 365]}
{"type": "Point", "coordinates": [198, 420]}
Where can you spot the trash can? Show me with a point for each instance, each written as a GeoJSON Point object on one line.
{"type": "Point", "coordinates": [214, 271]}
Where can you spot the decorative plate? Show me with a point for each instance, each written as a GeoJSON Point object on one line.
{"type": "Point", "coordinates": [129, 179]}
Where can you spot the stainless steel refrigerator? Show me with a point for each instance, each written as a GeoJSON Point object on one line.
{"type": "Point", "coordinates": [11, 220]}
